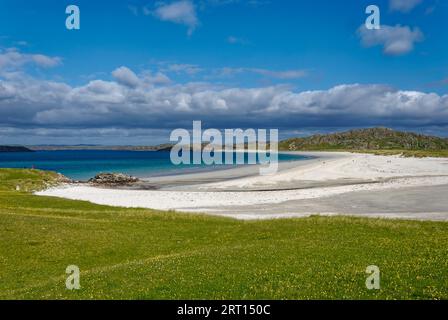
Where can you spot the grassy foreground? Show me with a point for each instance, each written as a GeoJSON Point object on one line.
{"type": "Point", "coordinates": [143, 254]}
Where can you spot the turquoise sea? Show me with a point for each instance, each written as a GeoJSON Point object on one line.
{"type": "Point", "coordinates": [85, 164]}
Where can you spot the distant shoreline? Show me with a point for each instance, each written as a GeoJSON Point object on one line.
{"type": "Point", "coordinates": [163, 147]}
{"type": "Point", "coordinates": [14, 149]}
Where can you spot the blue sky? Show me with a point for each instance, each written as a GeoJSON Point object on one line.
{"type": "Point", "coordinates": [137, 69]}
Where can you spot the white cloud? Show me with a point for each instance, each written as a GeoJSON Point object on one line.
{"type": "Point", "coordinates": [126, 77]}
{"type": "Point", "coordinates": [158, 78]}
{"type": "Point", "coordinates": [403, 5]}
{"type": "Point", "coordinates": [12, 58]}
{"type": "Point", "coordinates": [181, 12]}
{"type": "Point", "coordinates": [189, 69]}
{"type": "Point", "coordinates": [398, 40]}
{"type": "Point", "coordinates": [283, 75]}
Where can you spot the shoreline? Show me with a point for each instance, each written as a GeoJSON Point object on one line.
{"type": "Point", "coordinates": [190, 180]}
{"type": "Point", "coordinates": [146, 168]}
{"type": "Point", "coordinates": [300, 188]}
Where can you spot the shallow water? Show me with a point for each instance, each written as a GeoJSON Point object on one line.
{"type": "Point", "coordinates": [84, 164]}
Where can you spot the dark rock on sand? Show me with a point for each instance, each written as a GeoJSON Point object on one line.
{"type": "Point", "coordinates": [113, 179]}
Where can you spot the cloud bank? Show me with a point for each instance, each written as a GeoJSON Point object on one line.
{"type": "Point", "coordinates": [134, 104]}
{"type": "Point", "coordinates": [133, 101]}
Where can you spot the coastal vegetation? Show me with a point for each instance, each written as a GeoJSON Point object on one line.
{"type": "Point", "coordinates": [372, 140]}
{"type": "Point", "coordinates": [146, 254]}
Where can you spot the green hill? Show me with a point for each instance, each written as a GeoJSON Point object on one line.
{"type": "Point", "coordinates": [367, 139]}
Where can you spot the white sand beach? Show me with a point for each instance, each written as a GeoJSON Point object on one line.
{"type": "Point", "coordinates": [329, 184]}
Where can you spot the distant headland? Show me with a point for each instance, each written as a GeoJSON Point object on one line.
{"type": "Point", "coordinates": [14, 149]}
{"type": "Point", "coordinates": [161, 147]}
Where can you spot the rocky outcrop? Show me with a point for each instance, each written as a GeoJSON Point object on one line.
{"type": "Point", "coordinates": [113, 179]}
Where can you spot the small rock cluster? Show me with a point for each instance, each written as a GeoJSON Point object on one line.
{"type": "Point", "coordinates": [63, 179]}
{"type": "Point", "coordinates": [113, 179]}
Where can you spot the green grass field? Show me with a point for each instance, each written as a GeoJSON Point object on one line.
{"type": "Point", "coordinates": [144, 254]}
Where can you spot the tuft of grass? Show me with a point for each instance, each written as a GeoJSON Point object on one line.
{"type": "Point", "coordinates": [147, 254]}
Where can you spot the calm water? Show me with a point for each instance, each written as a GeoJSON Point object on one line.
{"type": "Point", "coordinates": [84, 164]}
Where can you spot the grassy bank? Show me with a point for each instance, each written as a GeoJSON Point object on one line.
{"type": "Point", "coordinates": [144, 254]}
